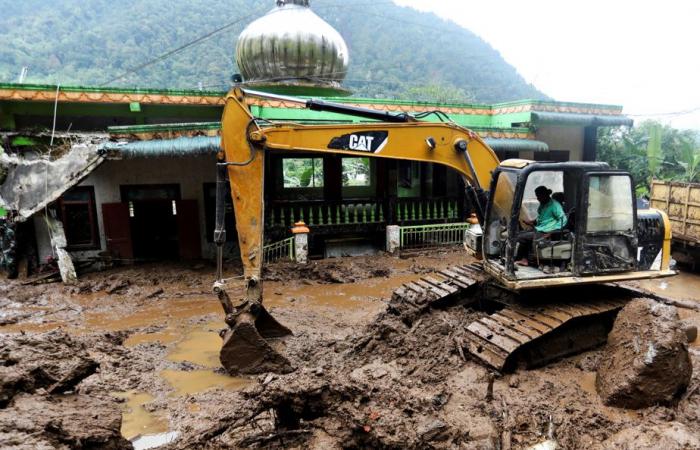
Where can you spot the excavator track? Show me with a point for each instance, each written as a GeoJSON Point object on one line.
{"type": "Point", "coordinates": [537, 334]}
{"type": "Point", "coordinates": [517, 332]}
{"type": "Point", "coordinates": [445, 283]}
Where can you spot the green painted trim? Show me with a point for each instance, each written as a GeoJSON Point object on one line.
{"type": "Point", "coordinates": [196, 126]}
{"type": "Point", "coordinates": [193, 92]}
{"type": "Point", "coordinates": [134, 129]}
{"type": "Point", "coordinates": [52, 87]}
{"type": "Point", "coordinates": [135, 107]}
{"type": "Point", "coordinates": [555, 103]}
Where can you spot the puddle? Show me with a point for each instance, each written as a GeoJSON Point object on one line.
{"type": "Point", "coordinates": [684, 286]}
{"type": "Point", "coordinates": [166, 336]}
{"type": "Point", "coordinates": [154, 440]}
{"type": "Point", "coordinates": [195, 381]}
{"type": "Point", "coordinates": [200, 346]}
{"type": "Point", "coordinates": [136, 420]}
{"type": "Point", "coordinates": [170, 311]}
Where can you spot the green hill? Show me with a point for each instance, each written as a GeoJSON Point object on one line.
{"type": "Point", "coordinates": [395, 52]}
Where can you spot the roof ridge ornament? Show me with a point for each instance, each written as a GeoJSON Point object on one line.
{"type": "Point", "coordinates": [292, 51]}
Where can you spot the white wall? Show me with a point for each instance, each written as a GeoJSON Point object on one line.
{"type": "Point", "coordinates": [563, 138]}
{"type": "Point", "coordinates": [190, 173]}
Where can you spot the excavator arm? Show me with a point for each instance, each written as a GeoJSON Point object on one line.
{"type": "Point", "coordinates": [245, 142]}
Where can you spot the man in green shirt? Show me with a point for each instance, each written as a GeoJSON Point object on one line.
{"type": "Point", "coordinates": [550, 218]}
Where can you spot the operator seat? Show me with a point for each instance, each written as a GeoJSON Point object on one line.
{"type": "Point", "coordinates": [556, 249]}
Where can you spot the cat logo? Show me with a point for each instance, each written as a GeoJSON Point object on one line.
{"type": "Point", "coordinates": [362, 143]}
{"type": "Point", "coordinates": [365, 141]}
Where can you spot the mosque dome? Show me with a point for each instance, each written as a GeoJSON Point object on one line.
{"type": "Point", "coordinates": [292, 50]}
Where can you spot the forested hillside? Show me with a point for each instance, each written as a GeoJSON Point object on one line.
{"type": "Point", "coordinates": [395, 52]}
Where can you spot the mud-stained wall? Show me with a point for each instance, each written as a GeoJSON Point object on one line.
{"type": "Point", "coordinates": [563, 138]}
{"type": "Point", "coordinates": [189, 173]}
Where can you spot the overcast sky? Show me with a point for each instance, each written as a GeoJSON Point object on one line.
{"type": "Point", "coordinates": [641, 54]}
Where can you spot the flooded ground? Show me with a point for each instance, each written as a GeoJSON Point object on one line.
{"type": "Point", "coordinates": [165, 374]}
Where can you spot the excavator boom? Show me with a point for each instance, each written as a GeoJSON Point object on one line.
{"type": "Point", "coordinates": [245, 142]}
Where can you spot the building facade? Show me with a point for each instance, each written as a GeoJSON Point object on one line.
{"type": "Point", "coordinates": [151, 193]}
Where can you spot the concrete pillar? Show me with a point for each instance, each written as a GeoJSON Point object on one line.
{"type": "Point", "coordinates": [301, 242]}
{"type": "Point", "coordinates": [59, 243]}
{"type": "Point", "coordinates": [393, 238]}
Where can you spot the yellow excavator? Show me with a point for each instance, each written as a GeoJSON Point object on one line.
{"type": "Point", "coordinates": [605, 238]}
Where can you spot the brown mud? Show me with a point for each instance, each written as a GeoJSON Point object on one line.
{"type": "Point", "coordinates": [369, 372]}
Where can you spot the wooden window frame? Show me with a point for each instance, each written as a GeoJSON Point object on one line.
{"type": "Point", "coordinates": [95, 243]}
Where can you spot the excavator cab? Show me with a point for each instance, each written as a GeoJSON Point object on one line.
{"type": "Point", "coordinates": [600, 237]}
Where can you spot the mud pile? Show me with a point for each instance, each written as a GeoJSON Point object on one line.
{"type": "Point", "coordinates": [383, 387]}
{"type": "Point", "coordinates": [327, 271]}
{"type": "Point", "coordinates": [646, 361]}
{"type": "Point", "coordinates": [39, 407]}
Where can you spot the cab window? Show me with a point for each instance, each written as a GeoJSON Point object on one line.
{"type": "Point", "coordinates": [610, 205]}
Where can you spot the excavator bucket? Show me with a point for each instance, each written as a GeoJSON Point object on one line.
{"type": "Point", "coordinates": [249, 343]}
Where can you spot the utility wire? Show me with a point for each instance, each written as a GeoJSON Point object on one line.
{"type": "Point", "coordinates": [182, 47]}
{"type": "Point", "coordinates": [214, 32]}
{"type": "Point", "coordinates": [675, 113]}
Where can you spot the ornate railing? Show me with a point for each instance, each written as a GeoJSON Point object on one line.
{"type": "Point", "coordinates": [419, 210]}
{"type": "Point", "coordinates": [354, 212]}
{"type": "Point", "coordinates": [281, 250]}
{"type": "Point", "coordinates": [325, 213]}
{"type": "Point", "coordinates": [430, 236]}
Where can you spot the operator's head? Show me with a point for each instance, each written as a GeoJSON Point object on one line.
{"type": "Point", "coordinates": [543, 194]}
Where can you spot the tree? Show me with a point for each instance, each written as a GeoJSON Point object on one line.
{"type": "Point", "coordinates": [651, 150]}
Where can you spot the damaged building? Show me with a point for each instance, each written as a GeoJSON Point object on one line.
{"type": "Point", "coordinates": [135, 175]}
{"type": "Point", "coordinates": [129, 174]}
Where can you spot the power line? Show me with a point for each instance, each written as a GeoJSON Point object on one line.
{"type": "Point", "coordinates": [665, 114]}
{"type": "Point", "coordinates": [214, 32]}
{"type": "Point", "coordinates": [181, 48]}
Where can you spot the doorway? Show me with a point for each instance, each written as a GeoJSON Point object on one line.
{"type": "Point", "coordinates": [153, 219]}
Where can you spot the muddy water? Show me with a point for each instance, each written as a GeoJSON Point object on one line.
{"type": "Point", "coordinates": [337, 296]}
{"type": "Point", "coordinates": [195, 381]}
{"type": "Point", "coordinates": [169, 311]}
{"type": "Point", "coordinates": [136, 420]}
{"type": "Point", "coordinates": [684, 286]}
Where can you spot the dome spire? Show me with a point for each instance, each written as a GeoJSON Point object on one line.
{"type": "Point", "coordinates": [293, 2]}
{"type": "Point", "coordinates": [292, 50]}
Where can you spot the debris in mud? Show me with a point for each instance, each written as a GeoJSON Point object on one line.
{"type": "Point", "coordinates": [38, 409]}
{"type": "Point", "coordinates": [668, 436]}
{"type": "Point", "coordinates": [327, 271]}
{"type": "Point", "coordinates": [378, 388]}
{"type": "Point", "coordinates": [62, 422]}
{"type": "Point", "coordinates": [646, 361]}
{"type": "Point", "coordinates": [52, 361]}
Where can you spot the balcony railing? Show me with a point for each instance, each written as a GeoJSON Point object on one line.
{"type": "Point", "coordinates": [354, 212]}
{"type": "Point", "coordinates": [431, 236]}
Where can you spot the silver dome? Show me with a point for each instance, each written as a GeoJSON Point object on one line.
{"type": "Point", "coordinates": [291, 46]}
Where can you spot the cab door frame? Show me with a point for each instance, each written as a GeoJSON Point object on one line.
{"type": "Point", "coordinates": [584, 264]}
